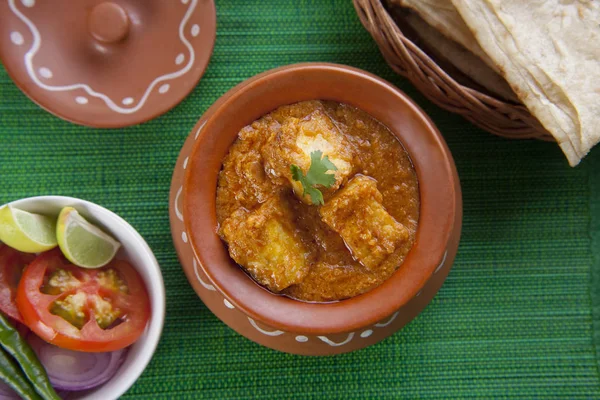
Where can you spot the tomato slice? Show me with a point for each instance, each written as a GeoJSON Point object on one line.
{"type": "Point", "coordinates": [12, 263]}
{"type": "Point", "coordinates": [91, 310]}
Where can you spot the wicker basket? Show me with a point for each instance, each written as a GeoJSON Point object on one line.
{"type": "Point", "coordinates": [405, 57]}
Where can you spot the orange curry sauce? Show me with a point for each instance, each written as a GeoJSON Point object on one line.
{"type": "Point", "coordinates": [341, 249]}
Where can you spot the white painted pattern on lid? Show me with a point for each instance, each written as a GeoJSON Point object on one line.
{"type": "Point", "coordinates": [17, 38]}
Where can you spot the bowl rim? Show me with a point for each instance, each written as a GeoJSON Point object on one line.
{"type": "Point", "coordinates": [293, 315]}
{"type": "Point", "coordinates": [154, 328]}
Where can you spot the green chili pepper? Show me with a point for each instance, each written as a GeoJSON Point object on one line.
{"type": "Point", "coordinates": [13, 376]}
{"type": "Point", "coordinates": [17, 347]}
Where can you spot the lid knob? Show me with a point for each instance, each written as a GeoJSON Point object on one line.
{"type": "Point", "coordinates": [108, 22]}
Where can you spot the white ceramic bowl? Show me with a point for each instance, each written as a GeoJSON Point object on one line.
{"type": "Point", "coordinates": [135, 250]}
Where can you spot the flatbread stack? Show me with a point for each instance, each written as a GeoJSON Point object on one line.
{"type": "Point", "coordinates": [548, 51]}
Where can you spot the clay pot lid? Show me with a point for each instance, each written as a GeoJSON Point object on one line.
{"type": "Point", "coordinates": [107, 63]}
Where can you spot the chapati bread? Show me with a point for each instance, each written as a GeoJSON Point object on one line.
{"type": "Point", "coordinates": [463, 60]}
{"type": "Point", "coordinates": [549, 52]}
{"type": "Point", "coordinates": [442, 15]}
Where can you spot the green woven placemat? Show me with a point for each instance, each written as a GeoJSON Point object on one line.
{"type": "Point", "coordinates": [519, 315]}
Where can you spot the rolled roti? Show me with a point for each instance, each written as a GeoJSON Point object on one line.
{"type": "Point", "coordinates": [463, 60]}
{"type": "Point", "coordinates": [442, 15]}
{"type": "Point", "coordinates": [549, 53]}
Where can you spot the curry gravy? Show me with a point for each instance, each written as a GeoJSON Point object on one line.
{"type": "Point", "coordinates": [341, 249]}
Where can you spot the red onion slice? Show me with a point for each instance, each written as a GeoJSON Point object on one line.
{"type": "Point", "coordinates": [75, 370]}
{"type": "Point", "coordinates": [7, 393]}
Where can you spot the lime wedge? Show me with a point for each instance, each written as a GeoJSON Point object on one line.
{"type": "Point", "coordinates": [25, 231]}
{"type": "Point", "coordinates": [84, 244]}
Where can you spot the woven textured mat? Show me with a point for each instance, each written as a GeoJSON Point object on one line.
{"type": "Point", "coordinates": [519, 315]}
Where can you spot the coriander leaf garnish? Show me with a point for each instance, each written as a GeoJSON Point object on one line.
{"type": "Point", "coordinates": [316, 175]}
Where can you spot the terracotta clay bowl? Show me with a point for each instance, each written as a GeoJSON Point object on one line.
{"type": "Point", "coordinates": [279, 322]}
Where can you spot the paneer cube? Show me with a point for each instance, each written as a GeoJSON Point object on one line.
{"type": "Point", "coordinates": [369, 231]}
{"type": "Point", "coordinates": [297, 139]}
{"type": "Point", "coordinates": [265, 243]}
